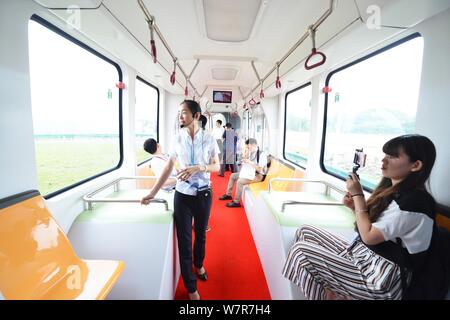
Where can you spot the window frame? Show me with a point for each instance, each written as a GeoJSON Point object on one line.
{"type": "Point", "coordinates": [303, 86]}
{"type": "Point", "coordinates": [327, 82]}
{"type": "Point", "coordinates": [75, 41]}
{"type": "Point", "coordinates": [139, 78]}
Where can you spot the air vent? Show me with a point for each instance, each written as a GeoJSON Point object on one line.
{"type": "Point", "coordinates": [231, 20]}
{"type": "Point", "coordinates": [224, 73]}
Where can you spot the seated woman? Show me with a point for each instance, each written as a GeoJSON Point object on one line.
{"type": "Point", "coordinates": [256, 161]}
{"type": "Point", "coordinates": [393, 255]}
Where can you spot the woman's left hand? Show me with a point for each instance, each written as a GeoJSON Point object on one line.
{"type": "Point", "coordinates": [187, 173]}
{"type": "Point", "coordinates": [353, 185]}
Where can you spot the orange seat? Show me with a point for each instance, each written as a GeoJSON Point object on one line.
{"type": "Point", "coordinates": [37, 260]}
{"type": "Point", "coordinates": [277, 170]}
{"type": "Point", "coordinates": [145, 171]}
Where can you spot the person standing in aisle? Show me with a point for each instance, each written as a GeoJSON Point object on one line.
{"type": "Point", "coordinates": [197, 154]}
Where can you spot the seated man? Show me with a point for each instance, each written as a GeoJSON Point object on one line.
{"type": "Point", "coordinates": [253, 160]}
{"type": "Point", "coordinates": [158, 162]}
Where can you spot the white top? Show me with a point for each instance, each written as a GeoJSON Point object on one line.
{"type": "Point", "coordinates": [189, 153]}
{"type": "Point", "coordinates": [413, 228]}
{"type": "Point", "coordinates": [218, 133]}
{"type": "Point", "coordinates": [157, 163]}
{"type": "Point", "coordinates": [262, 160]}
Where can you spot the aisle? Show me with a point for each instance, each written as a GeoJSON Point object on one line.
{"type": "Point", "coordinates": [232, 261]}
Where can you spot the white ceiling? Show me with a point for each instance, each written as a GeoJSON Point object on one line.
{"type": "Point", "coordinates": [120, 27]}
{"type": "Point", "coordinates": [182, 24]}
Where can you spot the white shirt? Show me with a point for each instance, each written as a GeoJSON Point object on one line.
{"type": "Point", "coordinates": [218, 133]}
{"type": "Point", "coordinates": [157, 163]}
{"type": "Point", "coordinates": [189, 153]}
{"type": "Point", "coordinates": [413, 228]}
{"type": "Point", "coordinates": [262, 160]}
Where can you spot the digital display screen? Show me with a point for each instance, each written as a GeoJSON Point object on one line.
{"type": "Point", "coordinates": [222, 96]}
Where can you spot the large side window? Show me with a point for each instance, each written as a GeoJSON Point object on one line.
{"type": "Point", "coordinates": [297, 125]}
{"type": "Point", "coordinates": [146, 117]}
{"type": "Point", "coordinates": [372, 100]}
{"type": "Point", "coordinates": [76, 109]}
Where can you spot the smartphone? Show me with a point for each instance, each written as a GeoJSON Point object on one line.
{"type": "Point", "coordinates": [360, 158]}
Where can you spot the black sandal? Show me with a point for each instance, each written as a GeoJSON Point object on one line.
{"type": "Point", "coordinates": [203, 276]}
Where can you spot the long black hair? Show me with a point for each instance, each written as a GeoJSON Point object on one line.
{"type": "Point", "coordinates": [416, 147]}
{"type": "Point", "coordinates": [193, 106]}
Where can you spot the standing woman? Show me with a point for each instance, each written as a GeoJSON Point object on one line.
{"type": "Point", "coordinates": [396, 253]}
{"type": "Point", "coordinates": [197, 154]}
{"type": "Point", "coordinates": [229, 149]}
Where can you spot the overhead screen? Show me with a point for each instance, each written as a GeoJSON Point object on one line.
{"type": "Point", "coordinates": [222, 96]}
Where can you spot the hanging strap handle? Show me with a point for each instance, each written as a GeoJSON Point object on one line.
{"type": "Point", "coordinates": [314, 52]}
{"type": "Point", "coordinates": [152, 40]}
{"type": "Point", "coordinates": [278, 81]}
{"type": "Point", "coordinates": [172, 76]}
{"type": "Point", "coordinates": [261, 93]}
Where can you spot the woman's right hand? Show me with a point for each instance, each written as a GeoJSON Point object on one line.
{"type": "Point", "coordinates": [348, 201]}
{"type": "Point", "coordinates": [146, 200]}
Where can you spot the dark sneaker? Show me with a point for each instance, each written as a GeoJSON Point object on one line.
{"type": "Point", "coordinates": [233, 204]}
{"type": "Point", "coordinates": [225, 197]}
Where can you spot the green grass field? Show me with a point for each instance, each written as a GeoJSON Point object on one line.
{"type": "Point", "coordinates": [63, 162]}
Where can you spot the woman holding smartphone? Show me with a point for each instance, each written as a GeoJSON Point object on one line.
{"type": "Point", "coordinates": [395, 253]}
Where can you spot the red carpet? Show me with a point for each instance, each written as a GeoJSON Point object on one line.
{"type": "Point", "coordinates": [232, 261]}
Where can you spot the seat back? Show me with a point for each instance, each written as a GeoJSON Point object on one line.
{"type": "Point", "coordinates": [35, 254]}
{"type": "Point", "coordinates": [277, 170]}
{"type": "Point", "coordinates": [144, 171]}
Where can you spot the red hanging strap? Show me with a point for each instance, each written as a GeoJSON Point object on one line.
{"type": "Point", "coordinates": [153, 50]}
{"type": "Point", "coordinates": [261, 93]}
{"type": "Point", "coordinates": [314, 52]}
{"type": "Point", "coordinates": [186, 92]}
{"type": "Point", "coordinates": [173, 77]}
{"type": "Point", "coordinates": [278, 81]}
{"type": "Point", "coordinates": [152, 40]}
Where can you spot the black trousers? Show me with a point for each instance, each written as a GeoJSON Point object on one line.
{"type": "Point", "coordinates": [187, 207]}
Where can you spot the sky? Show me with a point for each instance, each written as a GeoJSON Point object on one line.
{"type": "Point", "coordinates": [69, 87]}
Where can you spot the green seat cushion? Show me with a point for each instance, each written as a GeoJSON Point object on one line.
{"type": "Point", "coordinates": [154, 213]}
{"type": "Point", "coordinates": [317, 215]}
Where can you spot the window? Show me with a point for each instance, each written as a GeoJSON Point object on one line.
{"type": "Point", "coordinates": [76, 109]}
{"type": "Point", "coordinates": [297, 125]}
{"type": "Point", "coordinates": [372, 100]}
{"type": "Point", "coordinates": [146, 116]}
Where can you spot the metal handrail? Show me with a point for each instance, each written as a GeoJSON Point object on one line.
{"type": "Point", "coordinates": [321, 203]}
{"type": "Point", "coordinates": [90, 200]}
{"type": "Point", "coordinates": [316, 25]}
{"type": "Point", "coordinates": [327, 185]}
{"type": "Point", "coordinates": [150, 17]}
